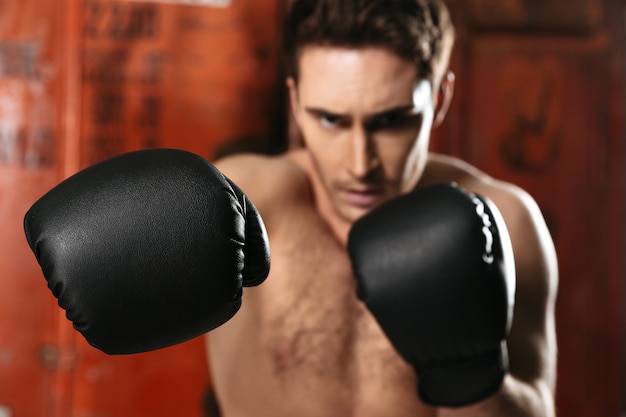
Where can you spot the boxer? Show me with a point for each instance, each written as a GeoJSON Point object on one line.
{"type": "Point", "coordinates": [402, 282]}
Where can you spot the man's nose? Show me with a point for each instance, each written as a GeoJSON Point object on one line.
{"type": "Point", "coordinates": [363, 153]}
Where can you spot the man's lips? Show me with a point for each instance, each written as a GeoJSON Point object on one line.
{"type": "Point", "coordinates": [362, 197]}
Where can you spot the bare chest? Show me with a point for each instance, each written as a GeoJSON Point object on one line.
{"type": "Point", "coordinates": [318, 334]}
{"type": "Point", "coordinates": [303, 344]}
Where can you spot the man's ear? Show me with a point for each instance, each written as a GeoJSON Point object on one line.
{"type": "Point", "coordinates": [293, 128]}
{"type": "Point", "coordinates": [294, 104]}
{"type": "Point", "coordinates": [444, 98]}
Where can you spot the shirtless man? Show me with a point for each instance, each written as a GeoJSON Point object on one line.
{"type": "Point", "coordinates": [367, 81]}
{"type": "Point", "coordinates": [302, 343]}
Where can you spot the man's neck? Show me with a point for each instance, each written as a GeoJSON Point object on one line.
{"type": "Point", "coordinates": [337, 225]}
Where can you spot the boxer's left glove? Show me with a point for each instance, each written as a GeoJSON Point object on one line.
{"type": "Point", "coordinates": [147, 249]}
{"type": "Point", "coordinates": [435, 267]}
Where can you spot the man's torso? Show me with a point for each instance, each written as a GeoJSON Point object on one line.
{"type": "Point", "coordinates": [302, 343]}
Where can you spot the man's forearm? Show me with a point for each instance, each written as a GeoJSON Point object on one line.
{"type": "Point", "coordinates": [514, 399]}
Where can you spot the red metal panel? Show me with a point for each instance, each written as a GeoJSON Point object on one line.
{"type": "Point", "coordinates": [30, 87]}
{"type": "Point", "coordinates": [192, 77]}
{"type": "Point", "coordinates": [531, 16]}
{"type": "Point", "coordinates": [167, 382]}
{"type": "Point", "coordinates": [82, 80]}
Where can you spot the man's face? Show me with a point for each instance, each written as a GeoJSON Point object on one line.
{"type": "Point", "coordinates": [365, 117]}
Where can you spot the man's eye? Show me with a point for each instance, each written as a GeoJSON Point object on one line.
{"type": "Point", "coordinates": [386, 122]}
{"type": "Point", "coordinates": [395, 121]}
{"type": "Point", "coordinates": [328, 120]}
{"type": "Point", "coordinates": [389, 119]}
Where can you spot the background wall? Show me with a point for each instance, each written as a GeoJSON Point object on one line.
{"type": "Point", "coordinates": [539, 101]}
{"type": "Point", "coordinates": [83, 80]}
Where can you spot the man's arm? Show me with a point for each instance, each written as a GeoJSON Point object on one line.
{"type": "Point", "coordinates": [528, 389]}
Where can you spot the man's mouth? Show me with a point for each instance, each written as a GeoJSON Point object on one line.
{"type": "Point", "coordinates": [362, 197]}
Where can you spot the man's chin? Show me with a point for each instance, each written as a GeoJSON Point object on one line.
{"type": "Point", "coordinates": [352, 209]}
{"type": "Point", "coordinates": [354, 213]}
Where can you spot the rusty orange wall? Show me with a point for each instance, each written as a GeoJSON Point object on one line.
{"type": "Point", "coordinates": [83, 80]}
{"type": "Point", "coordinates": [31, 87]}
{"type": "Point", "coordinates": [169, 75]}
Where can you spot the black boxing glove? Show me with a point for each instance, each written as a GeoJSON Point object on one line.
{"type": "Point", "coordinates": [435, 267]}
{"type": "Point", "coordinates": [147, 249]}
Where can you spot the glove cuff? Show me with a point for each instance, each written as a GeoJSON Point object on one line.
{"type": "Point", "coordinates": [463, 382]}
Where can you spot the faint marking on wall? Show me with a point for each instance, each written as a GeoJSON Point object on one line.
{"type": "Point", "coordinates": [26, 108]}
{"type": "Point", "coordinates": [532, 144]}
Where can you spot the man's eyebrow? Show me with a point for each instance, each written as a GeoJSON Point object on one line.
{"type": "Point", "coordinates": [386, 112]}
{"type": "Point", "coordinates": [319, 111]}
{"type": "Point", "coordinates": [392, 111]}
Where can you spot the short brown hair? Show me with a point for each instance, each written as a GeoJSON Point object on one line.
{"type": "Point", "coordinates": [416, 30]}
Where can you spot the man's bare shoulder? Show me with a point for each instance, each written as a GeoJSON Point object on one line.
{"type": "Point", "coordinates": [529, 233]}
{"type": "Point", "coordinates": [265, 179]}
{"type": "Point", "coordinates": [445, 168]}
{"type": "Point", "coordinates": [513, 201]}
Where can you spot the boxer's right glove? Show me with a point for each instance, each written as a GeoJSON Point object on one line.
{"type": "Point", "coordinates": [435, 267]}
{"type": "Point", "coordinates": [147, 249]}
